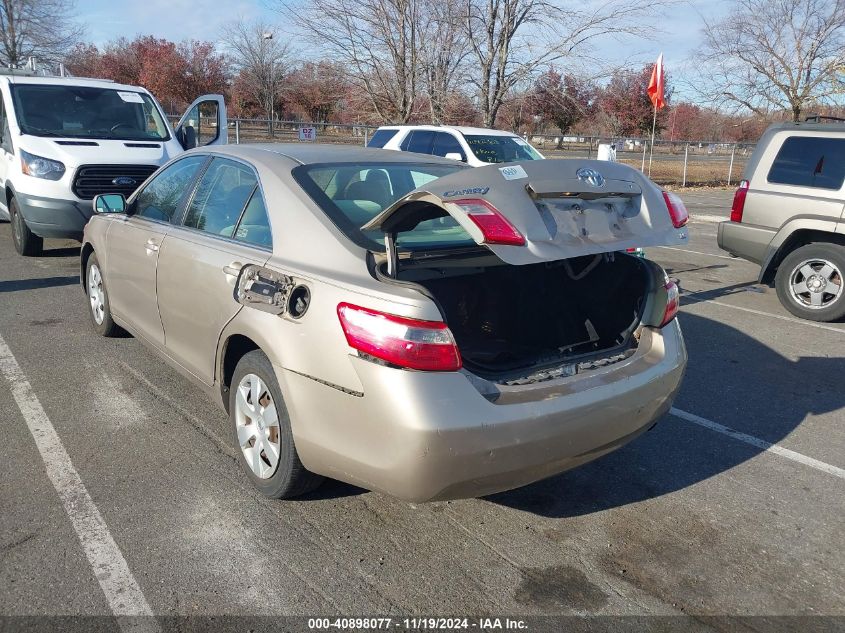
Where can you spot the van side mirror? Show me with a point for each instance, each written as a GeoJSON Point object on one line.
{"type": "Point", "coordinates": [455, 156]}
{"type": "Point", "coordinates": [187, 137]}
{"type": "Point", "coordinates": [109, 203]}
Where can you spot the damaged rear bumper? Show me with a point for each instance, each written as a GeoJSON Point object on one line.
{"type": "Point", "coordinates": [424, 436]}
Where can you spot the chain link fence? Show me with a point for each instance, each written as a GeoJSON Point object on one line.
{"type": "Point", "coordinates": [677, 163]}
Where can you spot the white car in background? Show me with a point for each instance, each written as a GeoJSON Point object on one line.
{"type": "Point", "coordinates": [473, 145]}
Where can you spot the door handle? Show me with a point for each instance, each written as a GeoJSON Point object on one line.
{"type": "Point", "coordinates": [233, 269]}
{"type": "Point", "coordinates": [151, 247]}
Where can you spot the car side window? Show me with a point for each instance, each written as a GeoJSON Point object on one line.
{"type": "Point", "coordinates": [445, 143]}
{"type": "Point", "coordinates": [221, 195]}
{"type": "Point", "coordinates": [254, 225]}
{"type": "Point", "coordinates": [5, 136]}
{"type": "Point", "coordinates": [419, 141]}
{"type": "Point", "coordinates": [810, 161]}
{"type": "Point", "coordinates": [160, 199]}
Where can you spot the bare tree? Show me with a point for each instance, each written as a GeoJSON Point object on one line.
{"type": "Point", "coordinates": [444, 49]}
{"type": "Point", "coordinates": [776, 54]}
{"type": "Point", "coordinates": [260, 58]}
{"type": "Point", "coordinates": [511, 39]}
{"type": "Point", "coordinates": [43, 29]}
{"type": "Point", "coordinates": [378, 40]}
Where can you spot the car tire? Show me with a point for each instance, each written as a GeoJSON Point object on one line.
{"type": "Point", "coordinates": [99, 308]}
{"type": "Point", "coordinates": [26, 242]}
{"type": "Point", "coordinates": [810, 282]}
{"type": "Point", "coordinates": [260, 427]}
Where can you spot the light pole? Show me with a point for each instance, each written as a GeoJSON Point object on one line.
{"type": "Point", "coordinates": [269, 36]}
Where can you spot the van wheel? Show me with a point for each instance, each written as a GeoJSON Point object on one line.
{"type": "Point", "coordinates": [261, 431]}
{"type": "Point", "coordinates": [26, 242]}
{"type": "Point", "coordinates": [810, 282]}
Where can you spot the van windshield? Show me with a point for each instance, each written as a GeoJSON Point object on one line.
{"type": "Point", "coordinates": [353, 194]}
{"type": "Point", "coordinates": [87, 112]}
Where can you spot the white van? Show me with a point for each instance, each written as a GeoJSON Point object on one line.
{"type": "Point", "coordinates": [66, 139]}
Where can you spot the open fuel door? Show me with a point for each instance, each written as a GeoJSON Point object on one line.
{"type": "Point", "coordinates": [544, 210]}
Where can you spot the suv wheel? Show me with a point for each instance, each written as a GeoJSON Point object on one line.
{"type": "Point", "coordinates": [26, 242]}
{"type": "Point", "coordinates": [810, 282]}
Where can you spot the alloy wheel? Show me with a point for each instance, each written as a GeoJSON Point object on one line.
{"type": "Point", "coordinates": [257, 424]}
{"type": "Point", "coordinates": [815, 283]}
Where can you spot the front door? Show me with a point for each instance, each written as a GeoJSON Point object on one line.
{"type": "Point", "coordinates": [204, 123]}
{"type": "Point", "coordinates": [225, 227]}
{"type": "Point", "coordinates": [134, 244]}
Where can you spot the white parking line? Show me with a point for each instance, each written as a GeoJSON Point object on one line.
{"type": "Point", "coordinates": [756, 441]}
{"type": "Point", "coordinates": [123, 594]}
{"type": "Point", "coordinates": [819, 326]}
{"type": "Point", "coordinates": [685, 250]}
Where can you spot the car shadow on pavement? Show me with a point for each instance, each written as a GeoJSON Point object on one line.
{"type": "Point", "coordinates": [68, 251]}
{"type": "Point", "coordinates": [35, 284]}
{"type": "Point", "coordinates": [732, 379]}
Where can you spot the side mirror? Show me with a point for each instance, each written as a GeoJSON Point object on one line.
{"type": "Point", "coordinates": [109, 203]}
{"type": "Point", "coordinates": [187, 137]}
{"type": "Point", "coordinates": [454, 156]}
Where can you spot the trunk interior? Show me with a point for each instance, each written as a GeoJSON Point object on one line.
{"type": "Point", "coordinates": [511, 320]}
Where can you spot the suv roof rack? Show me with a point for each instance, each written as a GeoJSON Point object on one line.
{"type": "Point", "coordinates": [818, 118]}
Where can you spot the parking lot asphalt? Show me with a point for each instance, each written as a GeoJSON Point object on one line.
{"type": "Point", "coordinates": [731, 506]}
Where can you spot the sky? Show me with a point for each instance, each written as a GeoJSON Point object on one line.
{"type": "Point", "coordinates": [677, 32]}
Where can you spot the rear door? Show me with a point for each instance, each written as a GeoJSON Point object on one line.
{"type": "Point", "coordinates": [204, 123]}
{"type": "Point", "coordinates": [224, 228]}
{"type": "Point", "coordinates": [556, 209]}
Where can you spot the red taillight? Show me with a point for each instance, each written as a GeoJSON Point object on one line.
{"type": "Point", "coordinates": [495, 228]}
{"type": "Point", "coordinates": [398, 340]}
{"type": "Point", "coordinates": [673, 302]}
{"type": "Point", "coordinates": [739, 201]}
{"type": "Point", "coordinates": [677, 209]}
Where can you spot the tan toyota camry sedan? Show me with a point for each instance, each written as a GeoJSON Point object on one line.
{"type": "Point", "coordinates": [398, 321]}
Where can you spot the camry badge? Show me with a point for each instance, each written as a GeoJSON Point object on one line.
{"type": "Point", "coordinates": [590, 176]}
{"type": "Point", "coordinates": [123, 181]}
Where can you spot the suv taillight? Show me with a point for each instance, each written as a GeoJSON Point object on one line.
{"type": "Point", "coordinates": [677, 209]}
{"type": "Point", "coordinates": [409, 343]}
{"type": "Point", "coordinates": [739, 201]}
{"type": "Point", "coordinates": [673, 302]}
{"type": "Point", "coordinates": [495, 228]}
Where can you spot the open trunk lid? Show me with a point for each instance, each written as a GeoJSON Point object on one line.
{"type": "Point", "coordinates": [562, 209]}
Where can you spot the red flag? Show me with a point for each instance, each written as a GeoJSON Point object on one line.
{"type": "Point", "coordinates": [655, 84]}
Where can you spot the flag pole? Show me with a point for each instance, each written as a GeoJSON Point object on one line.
{"type": "Point", "coordinates": [651, 146]}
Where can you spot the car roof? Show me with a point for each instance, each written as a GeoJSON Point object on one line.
{"type": "Point", "coordinates": [463, 129]}
{"type": "Point", "coordinates": [71, 81]}
{"type": "Point", "coordinates": [312, 153]}
{"type": "Point", "coordinates": [832, 127]}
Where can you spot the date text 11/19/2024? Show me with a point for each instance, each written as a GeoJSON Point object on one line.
{"type": "Point", "coordinates": [416, 624]}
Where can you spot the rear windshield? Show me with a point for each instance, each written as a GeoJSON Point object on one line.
{"type": "Point", "coordinates": [501, 149]}
{"type": "Point", "coordinates": [381, 137]}
{"type": "Point", "coordinates": [352, 195]}
{"type": "Point", "coordinates": [810, 161]}
{"type": "Point", "coordinates": [87, 112]}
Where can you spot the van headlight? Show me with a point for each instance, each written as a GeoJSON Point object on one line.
{"type": "Point", "coordinates": [40, 167]}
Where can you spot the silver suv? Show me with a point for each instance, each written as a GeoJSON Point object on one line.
{"type": "Point", "coordinates": [787, 216]}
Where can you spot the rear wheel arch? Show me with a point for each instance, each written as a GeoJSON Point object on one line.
{"type": "Point", "coordinates": [796, 240]}
{"type": "Point", "coordinates": [235, 347]}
